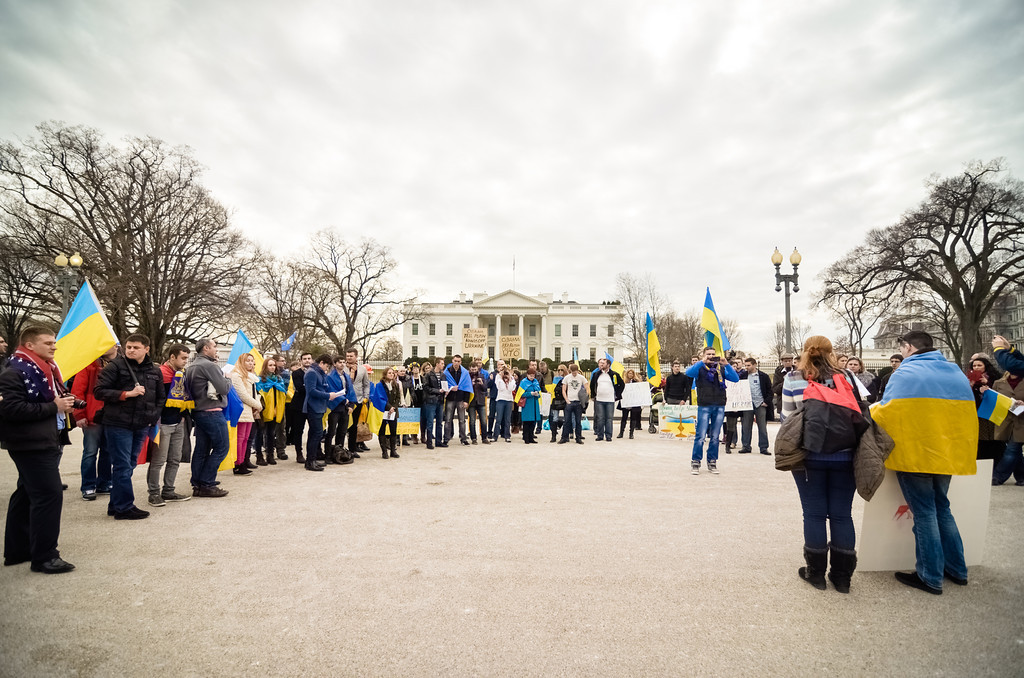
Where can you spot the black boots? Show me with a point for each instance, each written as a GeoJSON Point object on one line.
{"type": "Point", "coordinates": [843, 565]}
{"type": "Point", "coordinates": [271, 461]}
{"type": "Point", "coordinates": [814, 573]}
{"type": "Point", "coordinates": [394, 440]}
{"type": "Point", "coordinates": [383, 447]}
{"type": "Point", "coordinates": [299, 459]}
{"type": "Point", "coordinates": [248, 461]}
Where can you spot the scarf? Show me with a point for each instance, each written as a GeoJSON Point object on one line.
{"type": "Point", "coordinates": [42, 379]}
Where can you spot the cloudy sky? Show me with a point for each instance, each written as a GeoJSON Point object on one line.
{"type": "Point", "coordinates": [685, 139]}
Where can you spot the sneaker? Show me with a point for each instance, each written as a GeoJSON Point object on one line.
{"type": "Point", "coordinates": [156, 500]}
{"type": "Point", "coordinates": [713, 467]}
{"type": "Point", "coordinates": [695, 468]}
{"type": "Point", "coordinates": [101, 490]}
{"type": "Point", "coordinates": [133, 513]}
{"type": "Point", "coordinates": [89, 495]}
{"type": "Point", "coordinates": [174, 496]}
{"type": "Point", "coordinates": [1019, 483]}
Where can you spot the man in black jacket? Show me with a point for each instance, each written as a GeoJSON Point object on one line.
{"type": "Point", "coordinates": [33, 409]}
{"type": "Point", "coordinates": [780, 375]}
{"type": "Point", "coordinates": [296, 419]}
{"type": "Point", "coordinates": [761, 396]}
{"type": "Point", "coordinates": [132, 389]}
{"type": "Point", "coordinates": [677, 386]}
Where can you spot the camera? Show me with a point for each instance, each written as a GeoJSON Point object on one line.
{"type": "Point", "coordinates": [715, 359]}
{"type": "Point", "coordinates": [80, 404]}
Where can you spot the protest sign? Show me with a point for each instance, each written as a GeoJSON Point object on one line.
{"type": "Point", "coordinates": [511, 347]}
{"type": "Point", "coordinates": [636, 395]}
{"type": "Point", "coordinates": [737, 396]}
{"type": "Point", "coordinates": [408, 421]}
{"type": "Point", "coordinates": [676, 421]}
{"type": "Point", "coordinates": [474, 340]}
{"type": "Point", "coordinates": [886, 532]}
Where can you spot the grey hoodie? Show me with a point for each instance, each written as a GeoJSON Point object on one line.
{"type": "Point", "coordinates": [199, 376]}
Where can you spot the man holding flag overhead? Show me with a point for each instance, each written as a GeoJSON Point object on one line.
{"type": "Point", "coordinates": [209, 388]}
{"type": "Point", "coordinates": [33, 409]}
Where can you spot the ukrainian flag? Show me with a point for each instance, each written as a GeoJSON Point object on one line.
{"type": "Point", "coordinates": [85, 334]}
{"type": "Point", "coordinates": [232, 413]}
{"type": "Point", "coordinates": [242, 346]}
{"type": "Point", "coordinates": [375, 406]}
{"type": "Point", "coordinates": [653, 346]}
{"type": "Point", "coordinates": [928, 409]}
{"type": "Point", "coordinates": [714, 335]}
{"type": "Point", "coordinates": [994, 406]}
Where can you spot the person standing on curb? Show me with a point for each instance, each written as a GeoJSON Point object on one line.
{"type": "Point", "coordinates": [929, 411]}
{"type": "Point", "coordinates": [33, 409]}
{"type": "Point", "coordinates": [209, 388]}
{"type": "Point", "coordinates": [132, 389]}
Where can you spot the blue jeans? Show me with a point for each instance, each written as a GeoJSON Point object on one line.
{"type": "Point", "coordinates": [211, 448]}
{"type": "Point", "coordinates": [315, 420]}
{"type": "Point", "coordinates": [573, 421]}
{"type": "Point", "coordinates": [492, 411]}
{"type": "Point", "coordinates": [709, 425]}
{"type": "Point", "coordinates": [433, 423]}
{"type": "Point", "coordinates": [94, 451]}
{"type": "Point", "coordinates": [1012, 463]}
{"type": "Point", "coordinates": [502, 419]}
{"type": "Point", "coordinates": [604, 419]}
{"type": "Point", "coordinates": [123, 445]}
{"type": "Point", "coordinates": [939, 547]}
{"type": "Point", "coordinates": [826, 493]}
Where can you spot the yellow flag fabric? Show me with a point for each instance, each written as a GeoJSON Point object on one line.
{"type": "Point", "coordinates": [84, 335]}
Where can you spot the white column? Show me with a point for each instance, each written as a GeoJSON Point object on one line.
{"type": "Point", "coordinates": [520, 324]}
{"type": "Point", "coordinates": [497, 336]}
{"type": "Point", "coordinates": [543, 322]}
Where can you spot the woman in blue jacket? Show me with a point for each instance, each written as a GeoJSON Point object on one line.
{"type": "Point", "coordinates": [529, 393]}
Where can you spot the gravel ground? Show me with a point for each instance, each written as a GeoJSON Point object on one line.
{"type": "Point", "coordinates": [593, 560]}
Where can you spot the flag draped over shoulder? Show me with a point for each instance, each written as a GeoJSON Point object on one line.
{"type": "Point", "coordinates": [242, 346]}
{"type": "Point", "coordinates": [714, 335]}
{"type": "Point", "coordinates": [84, 335]}
{"type": "Point", "coordinates": [376, 405]}
{"type": "Point", "coordinates": [994, 406]}
{"type": "Point", "coordinates": [615, 365]}
{"type": "Point", "coordinates": [653, 361]}
{"type": "Point", "coordinates": [232, 413]}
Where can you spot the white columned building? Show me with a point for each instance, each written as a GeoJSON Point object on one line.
{"type": "Point", "coordinates": [550, 328]}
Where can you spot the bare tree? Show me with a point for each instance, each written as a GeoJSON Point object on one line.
{"type": "Point", "coordinates": [964, 244]}
{"type": "Point", "coordinates": [777, 337]}
{"type": "Point", "coordinates": [27, 290]}
{"type": "Point", "coordinates": [638, 296]}
{"type": "Point", "coordinates": [860, 312]}
{"type": "Point", "coordinates": [389, 350]}
{"type": "Point", "coordinates": [158, 248]}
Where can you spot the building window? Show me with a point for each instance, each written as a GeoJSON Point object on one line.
{"type": "Point", "coordinates": [611, 330]}
{"type": "Point", "coordinates": [490, 330]}
{"type": "Point", "coordinates": [533, 353]}
{"type": "Point", "coordinates": [430, 351]}
{"type": "Point", "coordinates": [415, 329]}
{"type": "Point", "coordinates": [491, 351]}
{"type": "Point", "coordinates": [415, 351]}
{"type": "Point", "coordinates": [593, 330]}
{"type": "Point", "coordinates": [593, 354]}
{"type": "Point", "coordinates": [575, 330]}
{"type": "Point", "coordinates": [465, 326]}
{"type": "Point", "coordinates": [611, 352]}
{"type": "Point", "coordinates": [558, 354]}
{"type": "Point", "coordinates": [448, 329]}
{"type": "Point", "coordinates": [511, 330]}
{"type": "Point", "coordinates": [558, 330]}
{"type": "Point", "coordinates": [430, 329]}
{"type": "Point", "coordinates": [533, 330]}
{"type": "Point", "coordinates": [448, 351]}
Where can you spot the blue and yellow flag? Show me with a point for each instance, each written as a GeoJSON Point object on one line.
{"type": "Point", "coordinates": [994, 406]}
{"type": "Point", "coordinates": [242, 346]}
{"type": "Point", "coordinates": [85, 334]}
{"type": "Point", "coordinates": [232, 413]}
{"type": "Point", "coordinates": [653, 347]}
{"type": "Point", "coordinates": [714, 335]}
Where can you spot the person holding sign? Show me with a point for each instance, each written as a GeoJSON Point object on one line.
{"type": "Point", "coordinates": [630, 413]}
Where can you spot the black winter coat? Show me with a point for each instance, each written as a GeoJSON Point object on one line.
{"type": "Point", "coordinates": [132, 413]}
{"type": "Point", "coordinates": [25, 426]}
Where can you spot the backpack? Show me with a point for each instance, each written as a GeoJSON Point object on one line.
{"type": "Point", "coordinates": [833, 418]}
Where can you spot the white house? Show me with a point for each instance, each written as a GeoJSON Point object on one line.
{"type": "Point", "coordinates": [549, 328]}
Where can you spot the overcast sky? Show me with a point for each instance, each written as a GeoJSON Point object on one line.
{"type": "Point", "coordinates": [687, 139]}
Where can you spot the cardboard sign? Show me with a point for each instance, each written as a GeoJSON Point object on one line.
{"type": "Point", "coordinates": [737, 396]}
{"type": "Point", "coordinates": [511, 347]}
{"type": "Point", "coordinates": [408, 421]}
{"type": "Point", "coordinates": [545, 404]}
{"type": "Point", "coordinates": [676, 421]}
{"type": "Point", "coordinates": [636, 395]}
{"type": "Point", "coordinates": [474, 339]}
{"type": "Point", "coordinates": [886, 533]}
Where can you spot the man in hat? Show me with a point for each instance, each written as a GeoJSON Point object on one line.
{"type": "Point", "coordinates": [780, 374]}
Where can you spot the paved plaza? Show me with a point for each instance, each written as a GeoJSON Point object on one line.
{"type": "Point", "coordinates": [509, 560]}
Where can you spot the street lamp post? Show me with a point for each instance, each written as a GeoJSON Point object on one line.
{"type": "Point", "coordinates": [68, 279]}
{"type": "Point", "coordinates": [786, 278]}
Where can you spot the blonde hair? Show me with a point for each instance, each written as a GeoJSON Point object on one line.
{"type": "Point", "coordinates": [630, 379]}
{"type": "Point", "coordinates": [240, 364]}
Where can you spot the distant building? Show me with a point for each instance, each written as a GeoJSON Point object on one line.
{"type": "Point", "coordinates": [550, 328]}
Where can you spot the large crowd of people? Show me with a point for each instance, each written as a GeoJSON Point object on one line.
{"type": "Point", "coordinates": [125, 403]}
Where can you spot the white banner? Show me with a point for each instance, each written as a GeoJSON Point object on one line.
{"type": "Point", "coordinates": [636, 395]}
{"type": "Point", "coordinates": [737, 396]}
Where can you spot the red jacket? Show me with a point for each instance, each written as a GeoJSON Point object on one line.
{"type": "Point", "coordinates": [82, 389]}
